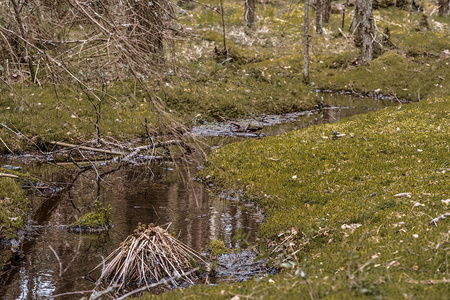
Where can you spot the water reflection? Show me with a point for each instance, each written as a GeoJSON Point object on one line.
{"type": "Point", "coordinates": [139, 194]}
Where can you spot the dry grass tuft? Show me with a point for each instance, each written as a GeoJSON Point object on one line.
{"type": "Point", "coordinates": [148, 256]}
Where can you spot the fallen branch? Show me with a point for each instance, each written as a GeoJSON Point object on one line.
{"type": "Point", "coordinates": [436, 220]}
{"type": "Point", "coordinates": [128, 157]}
{"type": "Point", "coordinates": [88, 148]}
{"type": "Point", "coordinates": [137, 150]}
{"type": "Point", "coordinates": [8, 175]}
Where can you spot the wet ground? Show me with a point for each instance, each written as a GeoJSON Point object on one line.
{"type": "Point", "coordinates": [54, 261]}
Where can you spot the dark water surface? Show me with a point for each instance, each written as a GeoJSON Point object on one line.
{"type": "Point", "coordinates": [160, 194]}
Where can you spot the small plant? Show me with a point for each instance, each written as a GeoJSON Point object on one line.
{"type": "Point", "coordinates": [217, 247]}
{"type": "Point", "coordinates": [213, 269]}
{"type": "Point", "coordinates": [95, 221]}
{"type": "Point", "coordinates": [242, 238]}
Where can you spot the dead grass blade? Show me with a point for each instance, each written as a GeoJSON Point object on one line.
{"type": "Point", "coordinates": [149, 256]}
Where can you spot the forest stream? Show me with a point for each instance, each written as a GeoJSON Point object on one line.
{"type": "Point", "coordinates": [55, 261]}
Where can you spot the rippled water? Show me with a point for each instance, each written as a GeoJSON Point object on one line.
{"type": "Point", "coordinates": [55, 261]}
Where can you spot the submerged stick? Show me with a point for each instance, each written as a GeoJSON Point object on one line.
{"type": "Point", "coordinates": [164, 281]}
{"type": "Point", "coordinates": [88, 148]}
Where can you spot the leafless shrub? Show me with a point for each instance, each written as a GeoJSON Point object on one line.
{"type": "Point", "coordinates": [87, 44]}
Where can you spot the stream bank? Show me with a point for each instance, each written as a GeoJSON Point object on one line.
{"type": "Point", "coordinates": [362, 204]}
{"type": "Point", "coordinates": [157, 194]}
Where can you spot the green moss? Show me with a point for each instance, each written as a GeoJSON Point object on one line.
{"type": "Point", "coordinates": [99, 219]}
{"type": "Point", "coordinates": [347, 186]}
{"type": "Point", "coordinates": [22, 176]}
{"type": "Point", "coordinates": [38, 115]}
{"type": "Point", "coordinates": [14, 208]}
{"type": "Point", "coordinates": [358, 239]}
{"type": "Point", "coordinates": [217, 247]}
{"type": "Point", "coordinates": [391, 74]}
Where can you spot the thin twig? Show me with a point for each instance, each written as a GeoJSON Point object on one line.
{"type": "Point", "coordinates": [59, 261]}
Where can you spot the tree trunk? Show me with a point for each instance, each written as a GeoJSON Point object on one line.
{"type": "Point", "coordinates": [326, 8]}
{"type": "Point", "coordinates": [225, 49]}
{"type": "Point", "coordinates": [319, 15]}
{"type": "Point", "coordinates": [249, 13]}
{"type": "Point", "coordinates": [365, 29]}
{"type": "Point", "coordinates": [444, 7]}
{"type": "Point", "coordinates": [306, 44]}
{"type": "Point", "coordinates": [343, 14]}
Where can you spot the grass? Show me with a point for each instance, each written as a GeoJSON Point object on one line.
{"type": "Point", "coordinates": [357, 238]}
{"type": "Point", "coordinates": [358, 235]}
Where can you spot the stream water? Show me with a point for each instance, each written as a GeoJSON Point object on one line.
{"type": "Point", "coordinates": [54, 261]}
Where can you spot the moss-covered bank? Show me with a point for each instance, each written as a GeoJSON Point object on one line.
{"type": "Point", "coordinates": [14, 207]}
{"type": "Point", "coordinates": [14, 210]}
{"type": "Point", "coordinates": [361, 193]}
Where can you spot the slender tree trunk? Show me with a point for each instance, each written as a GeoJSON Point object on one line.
{"type": "Point", "coordinates": [343, 14]}
{"type": "Point", "coordinates": [225, 50]}
{"type": "Point", "coordinates": [365, 29]}
{"type": "Point", "coordinates": [444, 7]}
{"type": "Point", "coordinates": [306, 44]}
{"type": "Point", "coordinates": [319, 15]}
{"type": "Point", "coordinates": [326, 8]}
{"type": "Point", "coordinates": [249, 13]}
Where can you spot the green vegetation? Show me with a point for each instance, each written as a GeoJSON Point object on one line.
{"type": "Point", "coordinates": [42, 116]}
{"type": "Point", "coordinates": [96, 220]}
{"type": "Point", "coordinates": [355, 197]}
{"type": "Point", "coordinates": [217, 247]}
{"type": "Point", "coordinates": [361, 204]}
{"type": "Point", "coordinates": [359, 194]}
{"type": "Point", "coordinates": [263, 75]}
{"type": "Point", "coordinates": [14, 207]}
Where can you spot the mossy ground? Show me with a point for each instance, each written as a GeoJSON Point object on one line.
{"type": "Point", "coordinates": [264, 75]}
{"type": "Point", "coordinates": [357, 238]}
{"type": "Point", "coordinates": [325, 188]}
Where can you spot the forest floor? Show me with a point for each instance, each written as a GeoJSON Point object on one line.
{"type": "Point", "coordinates": [337, 195]}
